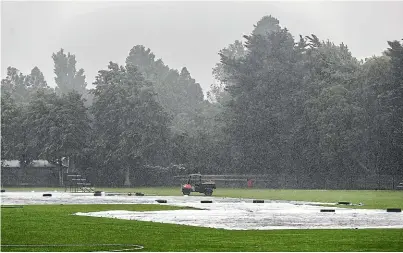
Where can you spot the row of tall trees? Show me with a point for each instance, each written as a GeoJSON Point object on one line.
{"type": "Point", "coordinates": [308, 109]}
{"type": "Point", "coordinates": [305, 109]}
{"type": "Point", "coordinates": [110, 132]}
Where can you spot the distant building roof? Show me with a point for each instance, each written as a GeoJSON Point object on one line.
{"type": "Point", "coordinates": [35, 163]}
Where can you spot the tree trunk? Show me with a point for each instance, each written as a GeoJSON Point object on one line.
{"type": "Point", "coordinates": [127, 177]}
{"type": "Point", "coordinates": [24, 173]}
{"type": "Point", "coordinates": [61, 183]}
{"type": "Point", "coordinates": [71, 164]}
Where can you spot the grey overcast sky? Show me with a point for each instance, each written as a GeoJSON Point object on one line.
{"type": "Point", "coordinates": [183, 33]}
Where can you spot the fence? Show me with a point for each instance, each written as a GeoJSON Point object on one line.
{"type": "Point", "coordinates": [368, 182]}
{"type": "Point", "coordinates": [49, 177]}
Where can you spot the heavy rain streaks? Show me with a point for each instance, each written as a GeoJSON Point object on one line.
{"type": "Point", "coordinates": [263, 102]}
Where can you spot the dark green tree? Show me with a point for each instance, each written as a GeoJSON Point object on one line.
{"type": "Point", "coordinates": [36, 80]}
{"type": "Point", "coordinates": [11, 127]}
{"type": "Point", "coordinates": [68, 78]}
{"type": "Point", "coordinates": [331, 130]}
{"type": "Point", "coordinates": [217, 92]}
{"type": "Point", "coordinates": [176, 92]}
{"type": "Point", "coordinates": [58, 126]}
{"type": "Point", "coordinates": [131, 128]}
{"type": "Point", "coordinates": [15, 85]}
{"type": "Point", "coordinates": [259, 114]}
{"type": "Point", "coordinates": [390, 110]}
{"type": "Point", "coordinates": [266, 25]}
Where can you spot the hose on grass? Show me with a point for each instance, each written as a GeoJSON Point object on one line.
{"type": "Point", "coordinates": [130, 247]}
{"type": "Point", "coordinates": [11, 206]}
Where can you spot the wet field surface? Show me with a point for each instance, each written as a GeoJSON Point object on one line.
{"type": "Point", "coordinates": [223, 213]}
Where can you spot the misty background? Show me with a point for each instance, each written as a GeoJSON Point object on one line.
{"type": "Point", "coordinates": [181, 33]}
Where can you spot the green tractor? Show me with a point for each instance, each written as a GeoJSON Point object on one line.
{"type": "Point", "coordinates": [195, 184]}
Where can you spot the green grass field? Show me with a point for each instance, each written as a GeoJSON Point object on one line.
{"type": "Point", "coordinates": [54, 224]}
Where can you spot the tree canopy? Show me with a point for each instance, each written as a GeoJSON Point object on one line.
{"type": "Point", "coordinates": [303, 110]}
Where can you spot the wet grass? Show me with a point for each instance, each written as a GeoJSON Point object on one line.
{"type": "Point", "coordinates": [54, 224]}
{"type": "Point", "coordinates": [370, 198]}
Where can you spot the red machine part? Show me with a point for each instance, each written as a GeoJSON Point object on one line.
{"type": "Point", "coordinates": [250, 183]}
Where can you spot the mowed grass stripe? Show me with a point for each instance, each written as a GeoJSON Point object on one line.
{"type": "Point", "coordinates": [54, 224]}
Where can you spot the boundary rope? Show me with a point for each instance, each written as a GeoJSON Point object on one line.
{"type": "Point", "coordinates": [131, 247]}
